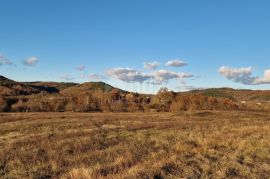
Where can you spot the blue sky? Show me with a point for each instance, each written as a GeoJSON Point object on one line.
{"type": "Point", "coordinates": [110, 40]}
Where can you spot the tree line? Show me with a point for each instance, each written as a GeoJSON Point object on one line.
{"type": "Point", "coordinates": [114, 101]}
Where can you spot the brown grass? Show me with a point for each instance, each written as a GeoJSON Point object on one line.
{"type": "Point", "coordinates": [135, 145]}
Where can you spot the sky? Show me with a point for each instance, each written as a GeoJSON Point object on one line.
{"type": "Point", "coordinates": [138, 45]}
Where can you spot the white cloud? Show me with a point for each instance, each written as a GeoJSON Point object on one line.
{"type": "Point", "coordinates": [128, 75]}
{"type": "Point", "coordinates": [32, 61]}
{"type": "Point", "coordinates": [151, 65]}
{"type": "Point", "coordinates": [156, 77]}
{"type": "Point", "coordinates": [265, 79]}
{"type": "Point", "coordinates": [163, 76]}
{"type": "Point", "coordinates": [4, 60]}
{"type": "Point", "coordinates": [176, 63]}
{"type": "Point", "coordinates": [235, 72]}
{"type": "Point", "coordinates": [244, 75]}
{"type": "Point", "coordinates": [80, 68]}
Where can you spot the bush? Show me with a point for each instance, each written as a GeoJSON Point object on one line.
{"type": "Point", "coordinates": [20, 106]}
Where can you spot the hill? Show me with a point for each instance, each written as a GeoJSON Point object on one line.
{"type": "Point", "coordinates": [235, 94]}
{"type": "Point", "coordinates": [17, 88]}
{"type": "Point", "coordinates": [9, 87]}
{"type": "Point", "coordinates": [28, 88]}
{"type": "Point", "coordinates": [5, 81]}
{"type": "Point", "coordinates": [99, 96]}
{"type": "Point", "coordinates": [89, 87]}
{"type": "Point", "coordinates": [50, 87]}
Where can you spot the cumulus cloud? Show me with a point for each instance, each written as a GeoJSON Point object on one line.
{"type": "Point", "coordinates": [32, 61]}
{"type": "Point", "coordinates": [163, 76]}
{"type": "Point", "coordinates": [151, 65]}
{"type": "Point", "coordinates": [244, 75]}
{"type": "Point", "coordinates": [265, 79]}
{"type": "Point", "coordinates": [128, 75]}
{"type": "Point", "coordinates": [4, 60]}
{"type": "Point", "coordinates": [80, 68]}
{"type": "Point", "coordinates": [176, 63]}
{"type": "Point", "coordinates": [156, 77]}
{"type": "Point", "coordinates": [235, 72]}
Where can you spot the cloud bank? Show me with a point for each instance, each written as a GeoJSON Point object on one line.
{"type": "Point", "coordinates": [157, 77]}
{"type": "Point", "coordinates": [163, 76]}
{"type": "Point", "coordinates": [244, 75]}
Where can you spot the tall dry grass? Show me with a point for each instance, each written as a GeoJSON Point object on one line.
{"type": "Point", "coordinates": [135, 145]}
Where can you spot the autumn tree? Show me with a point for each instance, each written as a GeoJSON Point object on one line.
{"type": "Point", "coordinates": [115, 95]}
{"type": "Point", "coordinates": [134, 107]}
{"type": "Point", "coordinates": [70, 104]}
{"type": "Point", "coordinates": [33, 105]}
{"type": "Point", "coordinates": [3, 104]}
{"type": "Point", "coordinates": [119, 106]}
{"type": "Point", "coordinates": [129, 98]}
{"type": "Point", "coordinates": [20, 106]}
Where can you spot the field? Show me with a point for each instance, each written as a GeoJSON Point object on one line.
{"type": "Point", "coordinates": [202, 144]}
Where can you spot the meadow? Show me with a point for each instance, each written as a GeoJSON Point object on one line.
{"type": "Point", "coordinates": [198, 144]}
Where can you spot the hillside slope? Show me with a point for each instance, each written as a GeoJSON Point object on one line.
{"type": "Point", "coordinates": [235, 94]}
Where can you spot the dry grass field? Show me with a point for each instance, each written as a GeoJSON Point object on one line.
{"type": "Point", "coordinates": [200, 144]}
